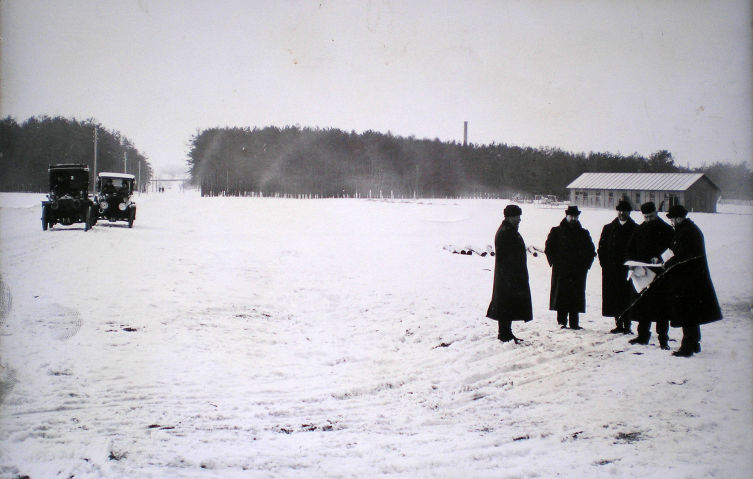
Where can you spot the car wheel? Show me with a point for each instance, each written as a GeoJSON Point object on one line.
{"type": "Point", "coordinates": [44, 218]}
{"type": "Point", "coordinates": [88, 219]}
{"type": "Point", "coordinates": [131, 217]}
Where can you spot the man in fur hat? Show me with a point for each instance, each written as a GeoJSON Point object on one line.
{"type": "Point", "coordinates": [646, 244]}
{"type": "Point", "coordinates": [615, 287]}
{"type": "Point", "coordinates": [570, 252]}
{"type": "Point", "coordinates": [511, 293]}
{"type": "Point", "coordinates": [691, 292]}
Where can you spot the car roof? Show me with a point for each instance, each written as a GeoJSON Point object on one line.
{"type": "Point", "coordinates": [69, 166]}
{"type": "Point", "coordinates": [105, 174]}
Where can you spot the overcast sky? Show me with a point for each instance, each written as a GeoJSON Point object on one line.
{"type": "Point", "coordinates": [622, 76]}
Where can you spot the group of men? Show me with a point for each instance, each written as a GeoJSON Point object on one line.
{"type": "Point", "coordinates": [679, 291]}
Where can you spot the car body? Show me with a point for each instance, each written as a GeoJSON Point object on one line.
{"type": "Point", "coordinates": [68, 201]}
{"type": "Point", "coordinates": [112, 198]}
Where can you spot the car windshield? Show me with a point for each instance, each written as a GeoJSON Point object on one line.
{"type": "Point", "coordinates": [114, 185]}
{"type": "Point", "coordinates": [69, 181]}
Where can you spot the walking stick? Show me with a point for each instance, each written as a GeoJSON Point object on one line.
{"type": "Point", "coordinates": [656, 279]}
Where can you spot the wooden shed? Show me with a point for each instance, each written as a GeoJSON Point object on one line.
{"type": "Point", "coordinates": [603, 190]}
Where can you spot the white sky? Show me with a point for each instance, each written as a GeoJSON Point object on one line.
{"type": "Point", "coordinates": [605, 75]}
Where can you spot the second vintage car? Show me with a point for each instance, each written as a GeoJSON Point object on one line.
{"type": "Point", "coordinates": [112, 199]}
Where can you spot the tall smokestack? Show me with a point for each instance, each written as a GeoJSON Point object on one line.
{"type": "Point", "coordinates": [465, 133]}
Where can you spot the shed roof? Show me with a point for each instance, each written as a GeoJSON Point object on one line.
{"type": "Point", "coordinates": [638, 181]}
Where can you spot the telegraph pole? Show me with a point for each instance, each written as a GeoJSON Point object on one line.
{"type": "Point", "coordinates": [125, 163]}
{"type": "Point", "coordinates": [95, 153]}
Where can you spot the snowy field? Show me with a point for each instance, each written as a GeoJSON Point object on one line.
{"type": "Point", "coordinates": [260, 337]}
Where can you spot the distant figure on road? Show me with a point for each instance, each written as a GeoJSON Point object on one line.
{"type": "Point", "coordinates": [646, 245]}
{"type": "Point", "coordinates": [511, 293]}
{"type": "Point", "coordinates": [691, 293]}
{"type": "Point", "coordinates": [570, 252]}
{"type": "Point", "coordinates": [612, 252]}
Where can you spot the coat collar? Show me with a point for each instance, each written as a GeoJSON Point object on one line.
{"type": "Point", "coordinates": [628, 222]}
{"type": "Point", "coordinates": [509, 226]}
{"type": "Point", "coordinates": [575, 224]}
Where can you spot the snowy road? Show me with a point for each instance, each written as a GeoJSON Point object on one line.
{"type": "Point", "coordinates": [240, 337]}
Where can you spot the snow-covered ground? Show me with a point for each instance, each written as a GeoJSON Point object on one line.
{"type": "Point", "coordinates": [260, 337]}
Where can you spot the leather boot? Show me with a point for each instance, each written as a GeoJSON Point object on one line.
{"type": "Point", "coordinates": [618, 328]}
{"type": "Point", "coordinates": [626, 327]}
{"type": "Point", "coordinates": [640, 340]}
{"type": "Point", "coordinates": [505, 331]}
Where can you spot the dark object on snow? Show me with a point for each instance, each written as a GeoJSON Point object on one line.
{"type": "Point", "coordinates": [113, 198]}
{"type": "Point", "coordinates": [470, 250]}
{"type": "Point", "coordinates": [511, 293]}
{"type": "Point", "coordinates": [68, 201]}
{"type": "Point", "coordinates": [534, 250]}
{"type": "Point", "coordinates": [570, 252]}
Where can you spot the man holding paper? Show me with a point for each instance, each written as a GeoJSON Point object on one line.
{"type": "Point", "coordinates": [644, 249]}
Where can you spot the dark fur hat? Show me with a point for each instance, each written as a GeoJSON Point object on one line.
{"type": "Point", "coordinates": [512, 210]}
{"type": "Point", "coordinates": [624, 205]}
{"type": "Point", "coordinates": [677, 211]}
{"type": "Point", "coordinates": [649, 207]}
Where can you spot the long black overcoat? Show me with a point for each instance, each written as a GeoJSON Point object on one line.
{"type": "Point", "coordinates": [649, 240]}
{"type": "Point", "coordinates": [693, 298]}
{"type": "Point", "coordinates": [612, 252]}
{"type": "Point", "coordinates": [570, 252]}
{"type": "Point", "coordinates": [511, 294]}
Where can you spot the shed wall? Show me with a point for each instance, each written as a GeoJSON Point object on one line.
{"type": "Point", "coordinates": [599, 198]}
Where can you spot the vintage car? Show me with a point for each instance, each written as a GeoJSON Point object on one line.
{"type": "Point", "coordinates": [68, 201]}
{"type": "Point", "coordinates": [112, 199]}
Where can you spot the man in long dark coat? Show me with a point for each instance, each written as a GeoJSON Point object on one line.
{"type": "Point", "coordinates": [691, 292]}
{"type": "Point", "coordinates": [570, 252]}
{"type": "Point", "coordinates": [511, 294]}
{"type": "Point", "coordinates": [647, 243]}
{"type": "Point", "coordinates": [615, 287]}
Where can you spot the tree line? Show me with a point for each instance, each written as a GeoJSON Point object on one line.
{"type": "Point", "coordinates": [27, 149]}
{"type": "Point", "coordinates": [330, 162]}
{"type": "Point", "coordinates": [333, 163]}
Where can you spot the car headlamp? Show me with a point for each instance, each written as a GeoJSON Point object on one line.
{"type": "Point", "coordinates": [122, 206]}
{"type": "Point", "coordinates": [103, 205]}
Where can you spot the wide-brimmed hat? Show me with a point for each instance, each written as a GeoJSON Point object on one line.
{"type": "Point", "coordinates": [572, 210]}
{"type": "Point", "coordinates": [648, 207]}
{"type": "Point", "coordinates": [677, 211]}
{"type": "Point", "coordinates": [512, 210]}
{"type": "Point", "coordinates": [624, 205]}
